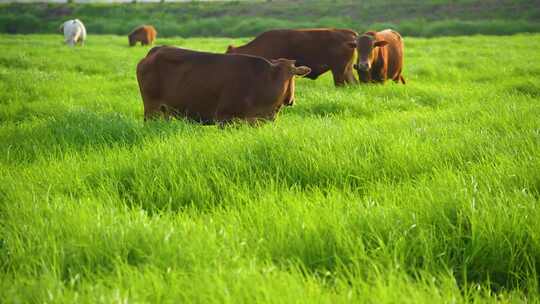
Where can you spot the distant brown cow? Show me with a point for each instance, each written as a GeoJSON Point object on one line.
{"type": "Point", "coordinates": [211, 88]}
{"type": "Point", "coordinates": [145, 34]}
{"type": "Point", "coordinates": [319, 49]}
{"type": "Point", "coordinates": [380, 56]}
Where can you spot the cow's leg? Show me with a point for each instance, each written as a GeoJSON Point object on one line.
{"type": "Point", "coordinates": [169, 113]}
{"type": "Point", "coordinates": [378, 75]}
{"type": "Point", "coordinates": [75, 38]}
{"type": "Point", "coordinates": [399, 78]}
{"type": "Point", "coordinates": [364, 76]}
{"type": "Point", "coordinates": [225, 117]}
{"type": "Point", "coordinates": [384, 73]}
{"type": "Point", "coordinates": [231, 108]}
{"type": "Point", "coordinates": [256, 122]}
{"type": "Point", "coordinates": [152, 110]}
{"type": "Point", "coordinates": [349, 75]}
{"type": "Point", "coordinates": [80, 41]}
{"type": "Point", "coordinates": [339, 76]}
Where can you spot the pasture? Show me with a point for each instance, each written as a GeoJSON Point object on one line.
{"type": "Point", "coordinates": [422, 193]}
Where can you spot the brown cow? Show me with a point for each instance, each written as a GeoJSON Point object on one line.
{"type": "Point", "coordinates": [319, 49]}
{"type": "Point", "coordinates": [380, 57]}
{"type": "Point", "coordinates": [211, 88]}
{"type": "Point", "coordinates": [145, 34]}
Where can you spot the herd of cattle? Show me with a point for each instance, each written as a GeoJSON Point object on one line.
{"type": "Point", "coordinates": [252, 82]}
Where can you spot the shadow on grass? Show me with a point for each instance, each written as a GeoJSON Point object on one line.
{"type": "Point", "coordinates": [332, 108]}
{"type": "Point", "coordinates": [526, 88]}
{"type": "Point", "coordinates": [376, 100]}
{"type": "Point", "coordinates": [76, 131]}
{"type": "Point", "coordinates": [442, 241]}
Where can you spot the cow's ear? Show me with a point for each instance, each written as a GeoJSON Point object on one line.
{"type": "Point", "coordinates": [380, 43]}
{"type": "Point", "coordinates": [351, 44]}
{"type": "Point", "coordinates": [301, 70]}
{"type": "Point", "coordinates": [230, 48]}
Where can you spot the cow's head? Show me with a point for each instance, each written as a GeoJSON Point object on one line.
{"type": "Point", "coordinates": [288, 70]}
{"type": "Point", "coordinates": [366, 46]}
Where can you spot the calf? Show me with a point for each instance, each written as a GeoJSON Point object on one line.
{"type": "Point", "coordinates": [211, 88]}
{"type": "Point", "coordinates": [380, 57]}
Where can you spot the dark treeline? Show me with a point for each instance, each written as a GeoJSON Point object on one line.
{"type": "Point", "coordinates": [238, 19]}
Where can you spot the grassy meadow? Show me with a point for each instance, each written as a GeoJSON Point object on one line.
{"type": "Point", "coordinates": [423, 193]}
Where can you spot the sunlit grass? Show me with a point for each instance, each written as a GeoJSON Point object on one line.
{"type": "Point", "coordinates": [424, 193]}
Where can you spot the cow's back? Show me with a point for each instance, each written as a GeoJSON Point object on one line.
{"type": "Point", "coordinates": [275, 43]}
{"type": "Point", "coordinates": [320, 49]}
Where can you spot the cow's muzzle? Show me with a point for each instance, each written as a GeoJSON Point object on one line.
{"type": "Point", "coordinates": [364, 67]}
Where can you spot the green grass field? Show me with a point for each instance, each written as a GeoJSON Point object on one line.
{"type": "Point", "coordinates": [424, 193]}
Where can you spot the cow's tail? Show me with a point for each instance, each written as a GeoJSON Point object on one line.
{"type": "Point", "coordinates": [402, 79]}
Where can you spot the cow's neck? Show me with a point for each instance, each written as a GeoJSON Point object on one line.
{"type": "Point", "coordinates": [280, 75]}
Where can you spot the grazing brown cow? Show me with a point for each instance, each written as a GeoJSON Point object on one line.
{"type": "Point", "coordinates": [211, 88]}
{"type": "Point", "coordinates": [145, 34]}
{"type": "Point", "coordinates": [380, 56]}
{"type": "Point", "coordinates": [319, 49]}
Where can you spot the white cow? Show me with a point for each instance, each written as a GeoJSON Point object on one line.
{"type": "Point", "coordinates": [74, 32]}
